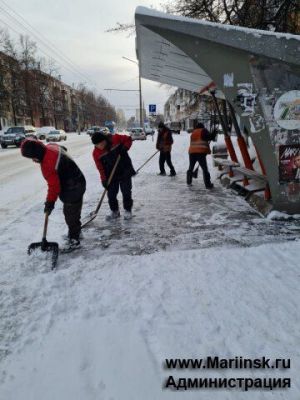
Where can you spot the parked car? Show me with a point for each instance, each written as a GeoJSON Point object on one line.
{"type": "Point", "coordinates": [41, 133]}
{"type": "Point", "coordinates": [138, 134]}
{"type": "Point", "coordinates": [149, 131]}
{"type": "Point", "coordinates": [175, 127]}
{"type": "Point", "coordinates": [94, 129]}
{"type": "Point", "coordinates": [63, 134]}
{"type": "Point", "coordinates": [56, 136]}
{"type": "Point", "coordinates": [14, 136]}
{"type": "Point", "coordinates": [30, 131]}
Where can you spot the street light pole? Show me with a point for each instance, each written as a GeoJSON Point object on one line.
{"type": "Point", "coordinates": [140, 90]}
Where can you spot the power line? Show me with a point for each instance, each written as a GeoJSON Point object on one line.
{"type": "Point", "coordinates": [42, 51]}
{"type": "Point", "coordinates": [44, 42]}
{"type": "Point", "coordinates": [122, 90]}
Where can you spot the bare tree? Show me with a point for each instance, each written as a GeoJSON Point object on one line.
{"type": "Point", "coordinates": [276, 15]}
{"type": "Point", "coordinates": [27, 62]}
{"type": "Point", "coordinates": [15, 84]}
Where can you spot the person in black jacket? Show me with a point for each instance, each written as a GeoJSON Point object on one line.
{"type": "Point", "coordinates": [164, 145]}
{"type": "Point", "coordinates": [107, 149]}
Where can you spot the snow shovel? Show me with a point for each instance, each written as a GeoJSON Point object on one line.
{"type": "Point", "coordinates": [146, 161]}
{"type": "Point", "coordinates": [93, 215]}
{"type": "Point", "coordinates": [45, 245]}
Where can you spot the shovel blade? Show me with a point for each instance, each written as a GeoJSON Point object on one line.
{"type": "Point", "coordinates": [46, 246]}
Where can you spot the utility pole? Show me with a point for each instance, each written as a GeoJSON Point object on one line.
{"type": "Point", "coordinates": [141, 110]}
{"type": "Point", "coordinates": [140, 90]}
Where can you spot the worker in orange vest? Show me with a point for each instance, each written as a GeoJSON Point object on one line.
{"type": "Point", "coordinates": [198, 150]}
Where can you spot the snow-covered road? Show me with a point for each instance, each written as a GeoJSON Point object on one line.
{"type": "Point", "coordinates": [194, 273]}
{"type": "Point", "coordinates": [17, 172]}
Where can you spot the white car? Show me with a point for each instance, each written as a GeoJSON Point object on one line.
{"type": "Point", "coordinates": [149, 131]}
{"type": "Point", "coordinates": [138, 134]}
{"type": "Point", "coordinates": [94, 129]}
{"type": "Point", "coordinates": [56, 135]}
{"type": "Point", "coordinates": [30, 131]}
{"type": "Point", "coordinates": [41, 133]}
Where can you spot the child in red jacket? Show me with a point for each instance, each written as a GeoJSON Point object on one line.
{"type": "Point", "coordinates": [107, 149]}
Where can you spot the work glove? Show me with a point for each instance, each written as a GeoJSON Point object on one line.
{"type": "Point", "coordinates": [122, 149]}
{"type": "Point", "coordinates": [49, 206]}
{"type": "Point", "coordinates": [104, 184]}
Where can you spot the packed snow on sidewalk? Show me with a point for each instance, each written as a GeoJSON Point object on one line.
{"type": "Point", "coordinates": [195, 273]}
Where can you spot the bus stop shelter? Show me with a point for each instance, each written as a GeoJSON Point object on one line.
{"type": "Point", "coordinates": [256, 72]}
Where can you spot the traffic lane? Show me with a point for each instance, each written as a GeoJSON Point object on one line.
{"type": "Point", "coordinates": [12, 163]}
{"type": "Point", "coordinates": [21, 183]}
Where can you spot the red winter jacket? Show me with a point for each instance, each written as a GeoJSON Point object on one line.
{"type": "Point", "coordinates": [105, 159]}
{"type": "Point", "coordinates": [63, 176]}
{"type": "Point", "coordinates": [49, 171]}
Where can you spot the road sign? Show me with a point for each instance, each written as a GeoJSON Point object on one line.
{"type": "Point", "coordinates": [152, 108]}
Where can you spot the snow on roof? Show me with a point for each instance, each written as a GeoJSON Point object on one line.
{"type": "Point", "coordinates": [256, 32]}
{"type": "Point", "coordinates": [170, 48]}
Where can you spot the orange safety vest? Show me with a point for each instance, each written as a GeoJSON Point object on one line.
{"type": "Point", "coordinates": [198, 144]}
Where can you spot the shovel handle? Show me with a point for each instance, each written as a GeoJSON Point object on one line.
{"type": "Point", "coordinates": [45, 226]}
{"type": "Point", "coordinates": [93, 216]}
{"type": "Point", "coordinates": [146, 161]}
{"type": "Point", "coordinates": [108, 183]}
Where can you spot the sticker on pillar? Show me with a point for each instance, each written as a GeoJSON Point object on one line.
{"type": "Point", "coordinates": [289, 163]}
{"type": "Point", "coordinates": [228, 80]}
{"type": "Point", "coordinates": [257, 123]}
{"type": "Point", "coordinates": [287, 110]}
{"type": "Point", "coordinates": [246, 99]}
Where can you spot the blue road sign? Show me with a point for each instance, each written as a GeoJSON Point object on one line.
{"type": "Point", "coordinates": [152, 108]}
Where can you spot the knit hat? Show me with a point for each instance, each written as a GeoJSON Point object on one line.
{"type": "Point", "coordinates": [32, 148]}
{"type": "Point", "coordinates": [161, 125]}
{"type": "Point", "coordinates": [98, 137]}
{"type": "Point", "coordinates": [199, 125]}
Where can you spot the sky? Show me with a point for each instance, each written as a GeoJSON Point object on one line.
{"type": "Point", "coordinates": [76, 29]}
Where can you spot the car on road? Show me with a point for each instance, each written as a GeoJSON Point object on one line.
{"type": "Point", "coordinates": [174, 126]}
{"type": "Point", "coordinates": [138, 134]}
{"type": "Point", "coordinates": [14, 136]}
{"type": "Point", "coordinates": [30, 131]}
{"type": "Point", "coordinates": [149, 131]}
{"type": "Point", "coordinates": [56, 135]}
{"type": "Point", "coordinates": [94, 129]}
{"type": "Point", "coordinates": [41, 133]}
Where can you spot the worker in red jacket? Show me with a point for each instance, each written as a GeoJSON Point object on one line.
{"type": "Point", "coordinates": [107, 149]}
{"type": "Point", "coordinates": [164, 145]}
{"type": "Point", "coordinates": [198, 150]}
{"type": "Point", "coordinates": [64, 179]}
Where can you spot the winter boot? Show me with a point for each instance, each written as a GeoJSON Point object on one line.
{"type": "Point", "coordinates": [162, 174]}
{"type": "Point", "coordinates": [66, 237]}
{"type": "Point", "coordinates": [189, 177]}
{"type": "Point", "coordinates": [209, 186]}
{"type": "Point", "coordinates": [127, 214]}
{"type": "Point", "coordinates": [113, 215]}
{"type": "Point", "coordinates": [172, 172]}
{"type": "Point", "coordinates": [71, 244]}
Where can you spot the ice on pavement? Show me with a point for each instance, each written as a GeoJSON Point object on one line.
{"type": "Point", "coordinates": [194, 273]}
